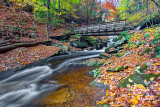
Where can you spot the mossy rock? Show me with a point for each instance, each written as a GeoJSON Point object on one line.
{"type": "Point", "coordinates": [107, 50]}
{"type": "Point", "coordinates": [98, 45]}
{"type": "Point", "coordinates": [128, 53]}
{"type": "Point", "coordinates": [147, 64]}
{"type": "Point", "coordinates": [115, 39]}
{"type": "Point", "coordinates": [63, 48]}
{"type": "Point", "coordinates": [79, 44]}
{"type": "Point", "coordinates": [110, 46]}
{"type": "Point", "coordinates": [99, 85]}
{"type": "Point", "coordinates": [117, 69]}
{"type": "Point", "coordinates": [104, 55]}
{"type": "Point", "coordinates": [119, 48]}
{"type": "Point", "coordinates": [91, 40]}
{"type": "Point", "coordinates": [95, 73]}
{"type": "Point", "coordinates": [109, 62]}
{"type": "Point", "coordinates": [138, 43]}
{"type": "Point", "coordinates": [113, 51]}
{"type": "Point", "coordinates": [93, 63]}
{"type": "Point", "coordinates": [79, 41]}
{"type": "Point", "coordinates": [103, 105]}
{"type": "Point", "coordinates": [137, 78]}
{"type": "Point", "coordinates": [146, 51]}
{"type": "Point", "coordinates": [119, 55]}
{"type": "Point", "coordinates": [120, 42]}
{"type": "Point", "coordinates": [110, 69]}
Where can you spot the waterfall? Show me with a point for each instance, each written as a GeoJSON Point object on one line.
{"type": "Point", "coordinates": [138, 28]}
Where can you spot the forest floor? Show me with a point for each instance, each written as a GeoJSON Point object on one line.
{"type": "Point", "coordinates": [24, 27]}
{"type": "Point", "coordinates": [133, 74]}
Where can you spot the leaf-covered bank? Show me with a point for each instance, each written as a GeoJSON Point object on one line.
{"type": "Point", "coordinates": [133, 73]}
{"type": "Point", "coordinates": [22, 56]}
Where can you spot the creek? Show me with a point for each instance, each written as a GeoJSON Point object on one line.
{"type": "Point", "coordinates": [62, 81]}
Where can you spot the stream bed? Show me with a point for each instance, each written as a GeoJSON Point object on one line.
{"type": "Point", "coordinates": [63, 81]}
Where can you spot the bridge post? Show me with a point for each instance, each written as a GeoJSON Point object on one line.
{"type": "Point", "coordinates": [93, 28]}
{"type": "Point", "coordinates": [130, 27]}
{"type": "Point", "coordinates": [106, 28]}
{"type": "Point", "coordinates": [87, 29]}
{"type": "Point", "coordinates": [124, 24]}
{"type": "Point", "coordinates": [99, 29]}
{"type": "Point", "coordinates": [114, 26]}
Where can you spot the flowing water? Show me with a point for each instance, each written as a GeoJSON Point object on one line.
{"type": "Point", "coordinates": [62, 81]}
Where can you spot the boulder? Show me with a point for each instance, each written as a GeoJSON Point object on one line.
{"type": "Point", "coordinates": [105, 55]}
{"type": "Point", "coordinates": [79, 41]}
{"type": "Point", "coordinates": [95, 73]}
{"type": "Point", "coordinates": [128, 53]}
{"type": "Point", "coordinates": [107, 50]}
{"type": "Point", "coordinates": [111, 45]}
{"type": "Point", "coordinates": [120, 42]}
{"type": "Point", "coordinates": [93, 63]}
{"type": "Point", "coordinates": [115, 39]}
{"type": "Point", "coordinates": [79, 44]}
{"type": "Point", "coordinates": [117, 69]}
{"type": "Point", "coordinates": [138, 79]}
{"type": "Point", "coordinates": [113, 51]}
{"type": "Point", "coordinates": [99, 85]}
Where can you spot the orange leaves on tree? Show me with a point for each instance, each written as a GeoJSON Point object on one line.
{"type": "Point", "coordinates": [111, 7]}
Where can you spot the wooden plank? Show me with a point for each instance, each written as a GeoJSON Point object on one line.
{"type": "Point", "coordinates": [109, 31]}
{"type": "Point", "coordinates": [102, 34]}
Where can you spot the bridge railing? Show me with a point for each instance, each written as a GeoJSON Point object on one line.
{"type": "Point", "coordinates": [104, 23]}
{"type": "Point", "coordinates": [112, 26]}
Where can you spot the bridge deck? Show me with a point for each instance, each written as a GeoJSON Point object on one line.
{"type": "Point", "coordinates": [109, 28]}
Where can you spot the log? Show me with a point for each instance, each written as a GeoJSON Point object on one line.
{"type": "Point", "coordinates": [4, 41]}
{"type": "Point", "coordinates": [13, 46]}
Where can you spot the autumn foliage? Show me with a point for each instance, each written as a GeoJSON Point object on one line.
{"type": "Point", "coordinates": [22, 56]}
{"type": "Point", "coordinates": [111, 8]}
{"type": "Point", "coordinates": [133, 93]}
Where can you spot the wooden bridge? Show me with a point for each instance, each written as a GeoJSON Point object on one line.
{"type": "Point", "coordinates": [104, 29]}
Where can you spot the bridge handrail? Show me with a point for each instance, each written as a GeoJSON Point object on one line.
{"type": "Point", "coordinates": [103, 23]}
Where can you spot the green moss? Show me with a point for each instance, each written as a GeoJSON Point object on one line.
{"type": "Point", "coordinates": [146, 51]}
{"type": "Point", "coordinates": [119, 54]}
{"type": "Point", "coordinates": [104, 56]}
{"type": "Point", "coordinates": [94, 63]}
{"type": "Point", "coordinates": [117, 69]}
{"type": "Point", "coordinates": [95, 72]}
{"type": "Point", "coordinates": [137, 78]}
{"type": "Point", "coordinates": [104, 105]}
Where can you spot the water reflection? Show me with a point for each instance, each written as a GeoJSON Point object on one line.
{"type": "Point", "coordinates": [77, 91]}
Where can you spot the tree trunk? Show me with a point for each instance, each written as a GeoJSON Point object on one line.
{"type": "Point", "coordinates": [59, 7]}
{"type": "Point", "coordinates": [48, 3]}
{"type": "Point", "coordinates": [93, 3]}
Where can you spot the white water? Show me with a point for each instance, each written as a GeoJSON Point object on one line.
{"type": "Point", "coordinates": [22, 88]}
{"type": "Point", "coordinates": [137, 28]}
